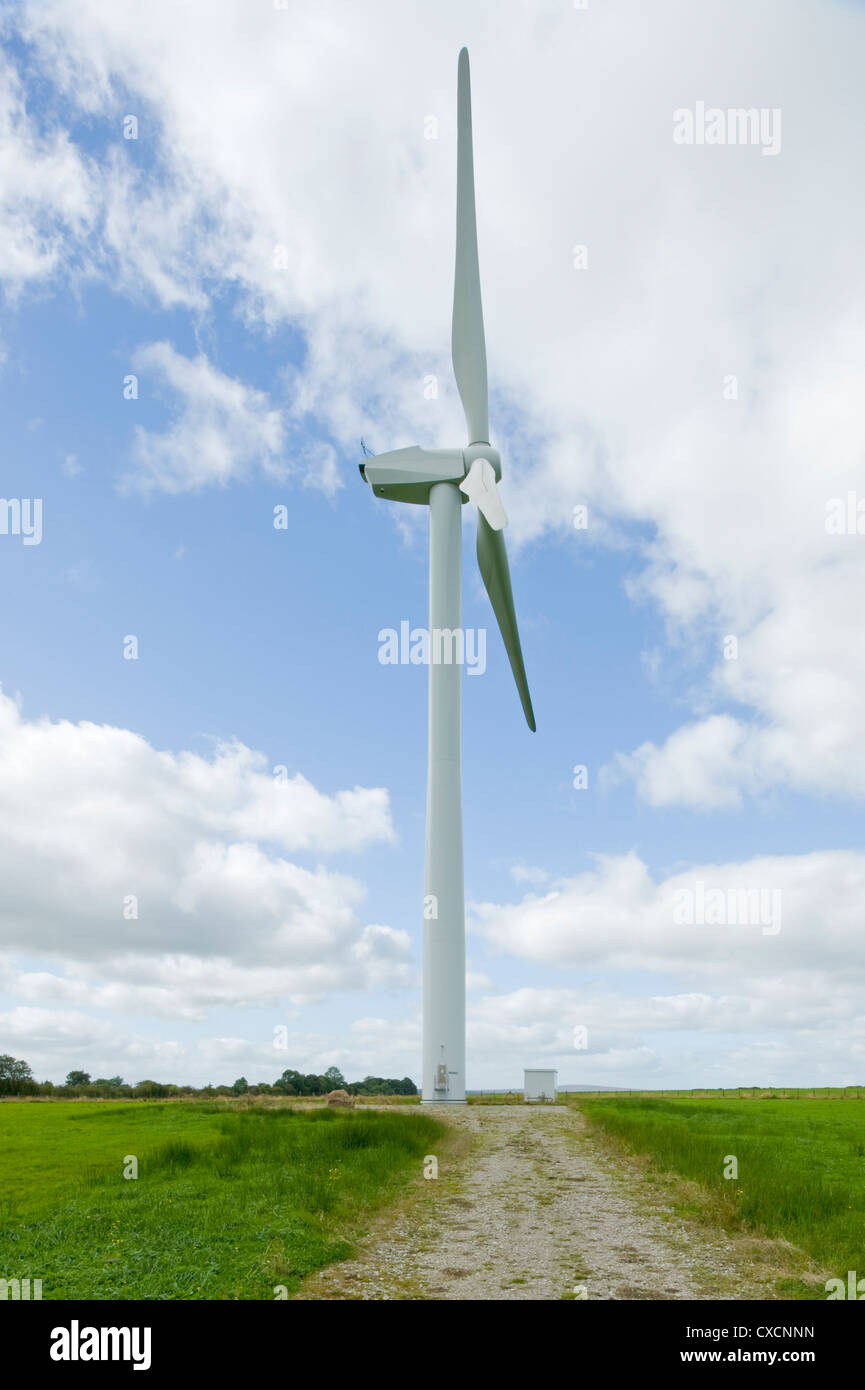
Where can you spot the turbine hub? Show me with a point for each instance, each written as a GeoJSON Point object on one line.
{"type": "Point", "coordinates": [484, 451]}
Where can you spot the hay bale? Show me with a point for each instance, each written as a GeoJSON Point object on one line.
{"type": "Point", "coordinates": [340, 1098]}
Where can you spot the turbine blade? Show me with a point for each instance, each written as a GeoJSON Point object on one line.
{"type": "Point", "coordinates": [468, 348]}
{"type": "Point", "coordinates": [493, 562]}
{"type": "Point", "coordinates": [490, 506]}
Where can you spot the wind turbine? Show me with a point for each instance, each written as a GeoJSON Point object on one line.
{"type": "Point", "coordinates": [443, 480]}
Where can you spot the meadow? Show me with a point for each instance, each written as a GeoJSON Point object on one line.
{"type": "Point", "coordinates": [229, 1203]}
{"type": "Point", "coordinates": [800, 1164]}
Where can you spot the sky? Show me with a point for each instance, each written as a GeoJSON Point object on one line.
{"type": "Point", "coordinates": [226, 259]}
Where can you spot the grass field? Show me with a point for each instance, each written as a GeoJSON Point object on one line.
{"type": "Point", "coordinates": [735, 1093]}
{"type": "Point", "coordinates": [228, 1203]}
{"type": "Point", "coordinates": [801, 1164]}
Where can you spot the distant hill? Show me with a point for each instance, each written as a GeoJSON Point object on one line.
{"type": "Point", "coordinates": [593, 1088]}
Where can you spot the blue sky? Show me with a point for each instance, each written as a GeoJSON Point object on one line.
{"type": "Point", "coordinates": [156, 256]}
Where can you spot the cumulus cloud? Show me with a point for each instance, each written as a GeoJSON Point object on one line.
{"type": "Point", "coordinates": [804, 918]}
{"type": "Point", "coordinates": [789, 1032]}
{"type": "Point", "coordinates": [48, 193]}
{"type": "Point", "coordinates": [221, 431]}
{"type": "Point", "coordinates": [160, 882]}
{"type": "Point", "coordinates": [57, 1040]}
{"type": "Point", "coordinates": [706, 764]}
{"type": "Point", "coordinates": [222, 428]}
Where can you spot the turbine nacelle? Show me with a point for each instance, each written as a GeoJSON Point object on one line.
{"type": "Point", "coordinates": [406, 475]}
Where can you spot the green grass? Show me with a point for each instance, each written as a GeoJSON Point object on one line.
{"type": "Point", "coordinates": [732, 1093]}
{"type": "Point", "coordinates": [227, 1203]}
{"type": "Point", "coordinates": [800, 1164]}
{"type": "Point", "coordinates": [498, 1098]}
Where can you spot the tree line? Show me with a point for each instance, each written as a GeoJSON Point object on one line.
{"type": "Point", "coordinates": [17, 1079]}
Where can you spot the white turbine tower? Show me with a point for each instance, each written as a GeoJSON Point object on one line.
{"type": "Point", "coordinates": [444, 479]}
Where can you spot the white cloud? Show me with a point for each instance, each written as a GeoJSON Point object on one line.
{"type": "Point", "coordinates": [704, 764]}
{"type": "Point", "coordinates": [526, 873]}
{"type": "Point", "coordinates": [616, 916]}
{"type": "Point", "coordinates": [476, 980]}
{"type": "Point", "coordinates": [92, 816]}
{"type": "Point", "coordinates": [222, 430]}
{"type": "Point", "coordinates": [48, 196]}
{"type": "Point", "coordinates": [320, 468]}
{"type": "Point", "coordinates": [781, 1033]}
{"type": "Point", "coordinates": [796, 1031]}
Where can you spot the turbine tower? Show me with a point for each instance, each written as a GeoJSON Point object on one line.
{"type": "Point", "coordinates": [443, 480]}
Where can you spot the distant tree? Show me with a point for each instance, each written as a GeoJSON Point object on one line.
{"type": "Point", "coordinates": [293, 1083]}
{"type": "Point", "coordinates": [78, 1078]}
{"type": "Point", "coordinates": [14, 1069]}
{"type": "Point", "coordinates": [289, 1084]}
{"type": "Point", "coordinates": [382, 1086]}
{"type": "Point", "coordinates": [241, 1086]}
{"type": "Point", "coordinates": [376, 1086]}
{"type": "Point", "coordinates": [108, 1081]}
{"type": "Point", "coordinates": [151, 1090]}
{"type": "Point", "coordinates": [16, 1078]}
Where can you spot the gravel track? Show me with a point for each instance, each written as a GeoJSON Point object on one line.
{"type": "Point", "coordinates": [532, 1208]}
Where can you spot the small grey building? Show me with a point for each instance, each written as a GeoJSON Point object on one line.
{"type": "Point", "coordinates": [539, 1084]}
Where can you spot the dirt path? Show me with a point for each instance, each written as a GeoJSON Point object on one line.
{"type": "Point", "coordinates": [531, 1208]}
